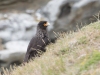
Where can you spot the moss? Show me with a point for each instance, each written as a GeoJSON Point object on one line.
{"type": "Point", "coordinates": [90, 60]}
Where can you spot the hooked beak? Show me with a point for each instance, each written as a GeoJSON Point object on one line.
{"type": "Point", "coordinates": [47, 24]}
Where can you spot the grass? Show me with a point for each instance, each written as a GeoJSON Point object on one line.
{"type": "Point", "coordinates": [83, 40]}
{"type": "Point", "coordinates": [77, 53]}
{"type": "Point", "coordinates": [90, 60]}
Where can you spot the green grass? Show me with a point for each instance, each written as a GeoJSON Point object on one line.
{"type": "Point", "coordinates": [91, 59]}
{"type": "Point", "coordinates": [83, 40]}
{"type": "Point", "coordinates": [77, 53]}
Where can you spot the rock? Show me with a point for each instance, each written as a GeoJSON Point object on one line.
{"type": "Point", "coordinates": [64, 15]}
{"type": "Point", "coordinates": [11, 57]}
{"type": "Point", "coordinates": [29, 11]}
{"type": "Point", "coordinates": [14, 26]}
{"type": "Point", "coordinates": [13, 54]}
{"type": "Point", "coordinates": [29, 33]}
{"type": "Point", "coordinates": [6, 3]}
{"type": "Point", "coordinates": [5, 35]}
{"type": "Point", "coordinates": [16, 45]}
{"type": "Point", "coordinates": [1, 45]}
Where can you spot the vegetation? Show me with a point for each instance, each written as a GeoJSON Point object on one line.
{"type": "Point", "coordinates": [77, 53]}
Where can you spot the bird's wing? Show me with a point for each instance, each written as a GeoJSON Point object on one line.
{"type": "Point", "coordinates": [36, 43]}
{"type": "Point", "coordinates": [32, 43]}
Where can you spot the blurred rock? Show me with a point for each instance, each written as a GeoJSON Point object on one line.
{"type": "Point", "coordinates": [5, 3]}
{"type": "Point", "coordinates": [1, 45]}
{"type": "Point", "coordinates": [16, 45]}
{"type": "Point", "coordinates": [11, 57]}
{"type": "Point", "coordinates": [64, 15]}
{"type": "Point", "coordinates": [13, 26]}
{"type": "Point", "coordinates": [13, 54]}
{"type": "Point", "coordinates": [28, 11]}
{"type": "Point", "coordinates": [5, 35]}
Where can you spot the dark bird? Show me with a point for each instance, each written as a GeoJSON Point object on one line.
{"type": "Point", "coordinates": [38, 42]}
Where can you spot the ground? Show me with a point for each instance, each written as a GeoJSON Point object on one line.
{"type": "Point", "coordinates": [75, 53]}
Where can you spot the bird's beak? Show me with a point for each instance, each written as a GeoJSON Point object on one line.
{"type": "Point", "coordinates": [47, 24]}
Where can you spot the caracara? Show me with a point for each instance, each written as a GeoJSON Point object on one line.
{"type": "Point", "coordinates": [38, 42]}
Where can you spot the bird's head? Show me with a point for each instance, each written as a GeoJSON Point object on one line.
{"type": "Point", "coordinates": [43, 24]}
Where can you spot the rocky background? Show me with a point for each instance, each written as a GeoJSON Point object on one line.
{"type": "Point", "coordinates": [18, 20]}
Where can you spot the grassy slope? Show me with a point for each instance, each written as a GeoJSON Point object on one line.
{"type": "Point", "coordinates": [73, 54]}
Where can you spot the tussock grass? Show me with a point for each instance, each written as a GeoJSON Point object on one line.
{"type": "Point", "coordinates": [77, 53]}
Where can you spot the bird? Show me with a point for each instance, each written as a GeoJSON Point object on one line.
{"type": "Point", "coordinates": [38, 42]}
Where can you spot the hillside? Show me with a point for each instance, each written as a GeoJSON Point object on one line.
{"type": "Point", "coordinates": [77, 53]}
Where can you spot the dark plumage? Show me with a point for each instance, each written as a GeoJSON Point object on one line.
{"type": "Point", "coordinates": [38, 43]}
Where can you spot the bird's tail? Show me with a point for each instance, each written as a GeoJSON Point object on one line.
{"type": "Point", "coordinates": [26, 57]}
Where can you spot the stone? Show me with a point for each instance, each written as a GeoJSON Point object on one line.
{"type": "Point", "coordinates": [13, 54]}
{"type": "Point", "coordinates": [16, 45]}
{"type": "Point", "coordinates": [14, 26]}
{"type": "Point", "coordinates": [67, 15]}
{"type": "Point", "coordinates": [5, 35]}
